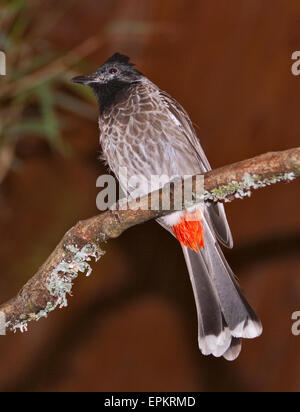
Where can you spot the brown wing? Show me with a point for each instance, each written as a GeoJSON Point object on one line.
{"type": "Point", "coordinates": [215, 210]}
{"type": "Point", "coordinates": [187, 128]}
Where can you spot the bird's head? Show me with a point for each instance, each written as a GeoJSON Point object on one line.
{"type": "Point", "coordinates": [117, 69]}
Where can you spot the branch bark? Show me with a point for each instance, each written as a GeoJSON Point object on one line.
{"type": "Point", "coordinates": [49, 287]}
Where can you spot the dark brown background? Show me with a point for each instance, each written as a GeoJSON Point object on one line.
{"type": "Point", "coordinates": [131, 326]}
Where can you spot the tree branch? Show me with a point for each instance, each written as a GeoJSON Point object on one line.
{"type": "Point", "coordinates": [49, 287]}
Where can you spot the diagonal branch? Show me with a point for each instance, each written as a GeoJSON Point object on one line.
{"type": "Point", "coordinates": [49, 287]}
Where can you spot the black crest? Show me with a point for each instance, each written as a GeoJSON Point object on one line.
{"type": "Point", "coordinates": [119, 58]}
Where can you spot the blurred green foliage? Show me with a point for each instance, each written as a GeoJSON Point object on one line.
{"type": "Point", "coordinates": [37, 85]}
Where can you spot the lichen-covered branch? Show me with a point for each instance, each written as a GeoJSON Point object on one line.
{"type": "Point", "coordinates": [49, 287]}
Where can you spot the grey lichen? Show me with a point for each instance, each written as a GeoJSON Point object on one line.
{"type": "Point", "coordinates": [243, 188]}
{"type": "Point", "coordinates": [23, 326]}
{"type": "Point", "coordinates": [60, 280]}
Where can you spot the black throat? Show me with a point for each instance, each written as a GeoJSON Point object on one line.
{"type": "Point", "coordinates": [110, 93]}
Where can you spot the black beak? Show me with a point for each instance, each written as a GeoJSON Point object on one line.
{"type": "Point", "coordinates": [84, 79]}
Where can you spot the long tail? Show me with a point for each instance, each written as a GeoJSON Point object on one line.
{"type": "Point", "coordinates": [224, 315]}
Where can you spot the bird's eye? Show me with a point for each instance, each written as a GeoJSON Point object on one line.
{"type": "Point", "coordinates": [114, 70]}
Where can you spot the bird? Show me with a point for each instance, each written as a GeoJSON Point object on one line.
{"type": "Point", "coordinates": [146, 132]}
